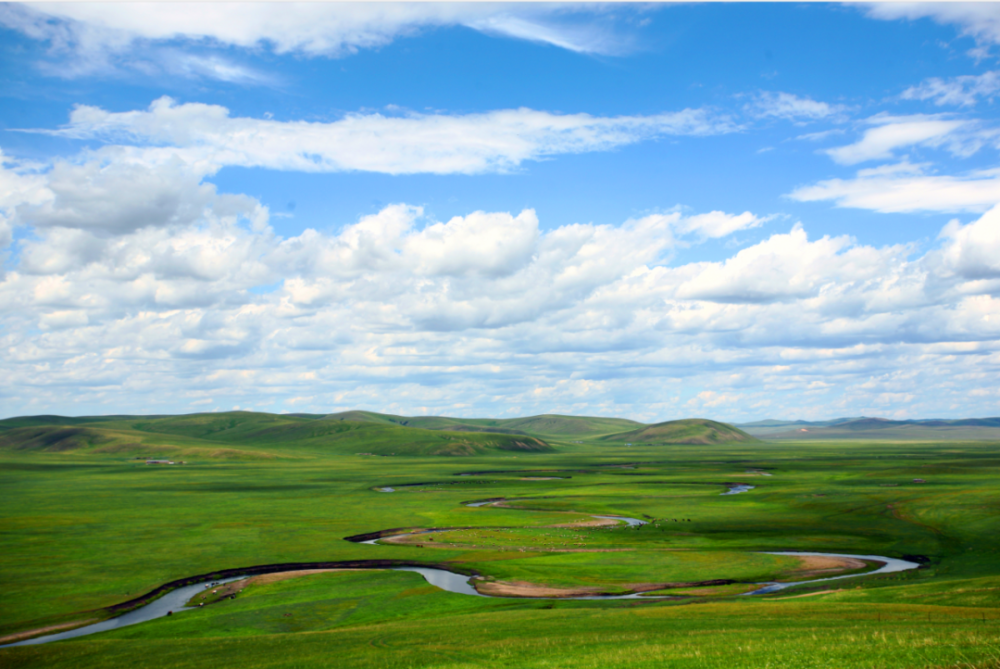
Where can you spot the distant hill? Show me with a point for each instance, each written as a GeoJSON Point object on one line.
{"type": "Point", "coordinates": [552, 426]}
{"type": "Point", "coordinates": [248, 435]}
{"type": "Point", "coordinates": [687, 431]}
{"type": "Point", "coordinates": [762, 427]}
{"type": "Point", "coordinates": [930, 429]}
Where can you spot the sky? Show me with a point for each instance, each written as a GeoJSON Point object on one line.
{"type": "Point", "coordinates": [656, 211]}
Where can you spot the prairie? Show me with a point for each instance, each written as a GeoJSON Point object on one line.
{"type": "Point", "coordinates": [87, 524]}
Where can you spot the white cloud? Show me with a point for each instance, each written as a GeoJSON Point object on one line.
{"type": "Point", "coordinates": [791, 107]}
{"type": "Point", "coordinates": [122, 197]}
{"type": "Point", "coordinates": [895, 132]}
{"type": "Point", "coordinates": [973, 250]}
{"type": "Point", "coordinates": [493, 313]}
{"type": "Point", "coordinates": [783, 267]}
{"type": "Point", "coordinates": [709, 399]}
{"type": "Point", "coordinates": [99, 37]}
{"type": "Point", "coordinates": [207, 136]}
{"type": "Point", "coordinates": [591, 37]}
{"type": "Point", "coordinates": [979, 20]}
{"type": "Point", "coordinates": [818, 136]}
{"type": "Point", "coordinates": [906, 187]}
{"type": "Point", "coordinates": [20, 184]}
{"type": "Point", "coordinates": [964, 91]}
{"type": "Point", "coordinates": [717, 224]}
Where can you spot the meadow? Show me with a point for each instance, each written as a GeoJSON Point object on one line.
{"type": "Point", "coordinates": [87, 524]}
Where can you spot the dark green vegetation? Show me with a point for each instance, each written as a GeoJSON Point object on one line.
{"type": "Point", "coordinates": [85, 525]}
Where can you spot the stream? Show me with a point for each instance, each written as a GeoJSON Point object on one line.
{"type": "Point", "coordinates": [172, 602]}
{"type": "Point", "coordinates": [891, 565]}
{"type": "Point", "coordinates": [175, 600]}
{"type": "Point", "coordinates": [446, 580]}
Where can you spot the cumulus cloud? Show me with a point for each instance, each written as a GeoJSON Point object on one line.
{"type": "Point", "coordinates": [784, 267]}
{"type": "Point", "coordinates": [20, 184]}
{"type": "Point", "coordinates": [492, 312]}
{"type": "Point", "coordinates": [964, 91]}
{"type": "Point", "coordinates": [98, 37]}
{"type": "Point", "coordinates": [122, 197]}
{"type": "Point", "coordinates": [973, 250]}
{"type": "Point", "coordinates": [770, 104]}
{"type": "Point", "coordinates": [496, 141]}
{"type": "Point", "coordinates": [907, 187]}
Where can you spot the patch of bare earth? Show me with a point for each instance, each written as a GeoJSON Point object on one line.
{"type": "Point", "coordinates": [596, 522]}
{"type": "Point", "coordinates": [816, 566]}
{"type": "Point", "coordinates": [525, 589]}
{"type": "Point", "coordinates": [808, 594]}
{"type": "Point", "coordinates": [21, 636]}
{"type": "Point", "coordinates": [234, 587]}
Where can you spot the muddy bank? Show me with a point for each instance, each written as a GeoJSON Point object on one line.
{"type": "Point", "coordinates": [888, 565]}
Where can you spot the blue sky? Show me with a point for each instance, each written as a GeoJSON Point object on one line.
{"type": "Point", "coordinates": [654, 211]}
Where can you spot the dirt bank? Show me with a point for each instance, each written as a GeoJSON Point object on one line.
{"type": "Point", "coordinates": [232, 588]}
{"type": "Point", "coordinates": [814, 566]}
{"type": "Point", "coordinates": [525, 589]}
{"type": "Point", "coordinates": [27, 634]}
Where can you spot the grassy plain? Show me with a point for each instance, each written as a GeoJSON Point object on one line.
{"type": "Point", "coordinates": [85, 525]}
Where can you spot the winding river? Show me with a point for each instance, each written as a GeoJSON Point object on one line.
{"type": "Point", "coordinates": [175, 600]}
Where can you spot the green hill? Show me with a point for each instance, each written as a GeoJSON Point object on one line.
{"type": "Point", "coordinates": [101, 439]}
{"type": "Point", "coordinates": [242, 434]}
{"type": "Point", "coordinates": [547, 425]}
{"type": "Point", "coordinates": [687, 431]}
{"type": "Point", "coordinates": [249, 435]}
{"type": "Point", "coordinates": [571, 427]}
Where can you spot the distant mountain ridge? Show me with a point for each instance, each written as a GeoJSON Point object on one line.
{"type": "Point", "coordinates": [245, 435]}
{"type": "Point", "coordinates": [251, 435]}
{"type": "Point", "coordinates": [874, 427]}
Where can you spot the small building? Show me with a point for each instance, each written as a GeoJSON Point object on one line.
{"type": "Point", "coordinates": [919, 481]}
{"type": "Point", "coordinates": [159, 462]}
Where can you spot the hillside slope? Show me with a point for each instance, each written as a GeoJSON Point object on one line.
{"type": "Point", "coordinates": [241, 434]}
{"type": "Point", "coordinates": [686, 431]}
{"type": "Point", "coordinates": [551, 426]}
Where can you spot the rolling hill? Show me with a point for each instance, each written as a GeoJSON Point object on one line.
{"type": "Point", "coordinates": [551, 426]}
{"type": "Point", "coordinates": [241, 434]}
{"type": "Point", "coordinates": [687, 431]}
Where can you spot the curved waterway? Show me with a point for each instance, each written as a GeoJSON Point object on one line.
{"type": "Point", "coordinates": [170, 603]}
{"type": "Point", "coordinates": [448, 581]}
{"type": "Point", "coordinates": [890, 565]}
{"type": "Point", "coordinates": [175, 600]}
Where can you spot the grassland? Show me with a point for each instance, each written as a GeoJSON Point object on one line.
{"type": "Point", "coordinates": [86, 525]}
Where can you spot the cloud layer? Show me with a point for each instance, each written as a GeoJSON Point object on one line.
{"type": "Point", "coordinates": [207, 137]}
{"type": "Point", "coordinates": [204, 306]}
{"type": "Point", "coordinates": [91, 38]}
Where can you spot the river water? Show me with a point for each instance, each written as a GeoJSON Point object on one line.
{"type": "Point", "coordinates": [173, 601]}
{"type": "Point", "coordinates": [737, 489]}
{"type": "Point", "coordinates": [891, 565]}
{"type": "Point", "coordinates": [449, 581]}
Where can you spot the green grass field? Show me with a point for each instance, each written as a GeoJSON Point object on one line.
{"type": "Point", "coordinates": [86, 524]}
